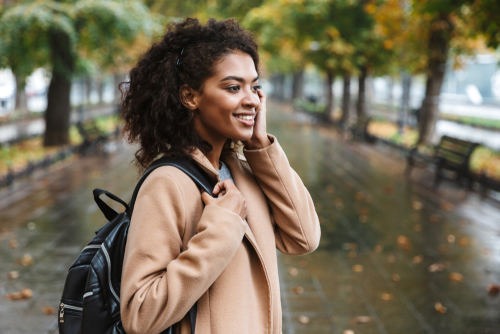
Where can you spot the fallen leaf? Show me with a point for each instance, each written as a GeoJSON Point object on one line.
{"type": "Point", "coordinates": [434, 218]}
{"type": "Point", "coordinates": [442, 248]}
{"type": "Point", "coordinates": [357, 268]}
{"type": "Point", "coordinates": [439, 308]}
{"type": "Point", "coordinates": [363, 219]}
{"type": "Point", "coordinates": [353, 246]}
{"type": "Point", "coordinates": [303, 263]}
{"type": "Point", "coordinates": [352, 254]}
{"type": "Point", "coordinates": [31, 226]}
{"type": "Point", "coordinates": [387, 296]}
{"type": "Point", "coordinates": [493, 289]}
{"type": "Point", "coordinates": [359, 195]}
{"type": "Point", "coordinates": [330, 189]}
{"type": "Point", "coordinates": [48, 310]}
{"type": "Point", "coordinates": [415, 216]}
{"type": "Point", "coordinates": [27, 293]}
{"type": "Point", "coordinates": [456, 277]}
{"type": "Point", "coordinates": [293, 271]}
{"type": "Point", "coordinates": [485, 251]}
{"type": "Point", "coordinates": [417, 227]}
{"type": "Point", "coordinates": [464, 241]}
{"type": "Point", "coordinates": [348, 331]}
{"type": "Point", "coordinates": [388, 189]}
{"type": "Point", "coordinates": [27, 260]}
{"type": "Point", "coordinates": [450, 238]}
{"type": "Point", "coordinates": [396, 278]}
{"type": "Point", "coordinates": [436, 267]}
{"type": "Point", "coordinates": [303, 319]}
{"type": "Point", "coordinates": [378, 249]}
{"type": "Point", "coordinates": [13, 275]}
{"type": "Point", "coordinates": [13, 243]}
{"type": "Point", "coordinates": [368, 198]}
{"type": "Point", "coordinates": [362, 319]}
{"type": "Point", "coordinates": [404, 242]}
{"type": "Point", "coordinates": [364, 211]}
{"type": "Point", "coordinates": [391, 259]}
{"type": "Point", "coordinates": [417, 259]}
{"type": "Point", "coordinates": [298, 290]}
{"type": "Point", "coordinates": [416, 205]}
{"type": "Point", "coordinates": [446, 206]}
{"type": "Point", "coordinates": [463, 223]}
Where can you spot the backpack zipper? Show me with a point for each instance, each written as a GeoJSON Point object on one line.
{"type": "Point", "coordinates": [69, 307]}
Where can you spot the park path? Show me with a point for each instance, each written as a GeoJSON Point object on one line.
{"type": "Point", "coordinates": [359, 279]}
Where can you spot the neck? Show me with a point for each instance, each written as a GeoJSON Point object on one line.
{"type": "Point", "coordinates": [214, 155]}
{"type": "Point", "coordinates": [215, 140]}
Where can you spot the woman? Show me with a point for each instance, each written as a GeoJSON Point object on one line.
{"type": "Point", "coordinates": [196, 93]}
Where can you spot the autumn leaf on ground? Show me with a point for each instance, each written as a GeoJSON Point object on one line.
{"type": "Point", "coordinates": [13, 275]}
{"type": "Point", "coordinates": [387, 296]}
{"type": "Point", "coordinates": [303, 263]}
{"type": "Point", "coordinates": [27, 260]}
{"type": "Point", "coordinates": [439, 308]}
{"type": "Point", "coordinates": [364, 211]}
{"type": "Point", "coordinates": [13, 244]}
{"type": "Point", "coordinates": [434, 218]}
{"type": "Point", "coordinates": [416, 205]}
{"type": "Point", "coordinates": [363, 219]}
{"type": "Point", "coordinates": [298, 290]}
{"type": "Point", "coordinates": [353, 254]}
{"type": "Point", "coordinates": [388, 190]}
{"type": "Point", "coordinates": [357, 268]}
{"type": "Point", "coordinates": [442, 248]}
{"type": "Point", "coordinates": [293, 271]}
{"type": "Point", "coordinates": [463, 241]}
{"type": "Point", "coordinates": [417, 259]}
{"type": "Point", "coordinates": [446, 206]}
{"type": "Point", "coordinates": [391, 259]}
{"type": "Point", "coordinates": [48, 310]}
{"type": "Point", "coordinates": [378, 249]}
{"type": "Point", "coordinates": [450, 238]}
{"type": "Point", "coordinates": [359, 195]}
{"type": "Point", "coordinates": [23, 294]}
{"type": "Point", "coordinates": [436, 267]}
{"type": "Point", "coordinates": [330, 189]}
{"type": "Point", "coordinates": [396, 278]}
{"type": "Point", "coordinates": [417, 227]}
{"type": "Point", "coordinates": [348, 331]}
{"type": "Point", "coordinates": [404, 242]}
{"type": "Point", "coordinates": [493, 289]}
{"type": "Point", "coordinates": [456, 277]}
{"type": "Point", "coordinates": [303, 319]}
{"type": "Point", "coordinates": [362, 319]}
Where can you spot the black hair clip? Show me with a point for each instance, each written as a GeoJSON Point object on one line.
{"type": "Point", "coordinates": [179, 62]}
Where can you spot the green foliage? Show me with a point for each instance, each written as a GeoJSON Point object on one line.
{"type": "Point", "coordinates": [303, 104]}
{"type": "Point", "coordinates": [97, 31]}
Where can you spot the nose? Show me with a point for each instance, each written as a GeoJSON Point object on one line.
{"type": "Point", "coordinates": [251, 99]}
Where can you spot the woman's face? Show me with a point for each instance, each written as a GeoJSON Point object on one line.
{"type": "Point", "coordinates": [226, 107]}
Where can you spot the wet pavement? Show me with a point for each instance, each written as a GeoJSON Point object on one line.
{"type": "Point", "coordinates": [381, 238]}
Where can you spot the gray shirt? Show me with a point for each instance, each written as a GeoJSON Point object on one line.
{"type": "Point", "coordinates": [224, 172]}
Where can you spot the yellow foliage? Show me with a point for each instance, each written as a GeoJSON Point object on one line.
{"type": "Point", "coordinates": [388, 44]}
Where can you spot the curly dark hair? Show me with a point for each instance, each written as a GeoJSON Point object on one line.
{"type": "Point", "coordinates": [152, 110]}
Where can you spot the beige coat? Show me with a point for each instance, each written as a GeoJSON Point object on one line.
{"type": "Point", "coordinates": [179, 252]}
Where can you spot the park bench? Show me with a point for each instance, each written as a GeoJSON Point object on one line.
{"type": "Point", "coordinates": [93, 137]}
{"type": "Point", "coordinates": [360, 130]}
{"type": "Point", "coordinates": [451, 154]}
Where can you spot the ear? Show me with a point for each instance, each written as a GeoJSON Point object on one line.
{"type": "Point", "coordinates": [188, 97]}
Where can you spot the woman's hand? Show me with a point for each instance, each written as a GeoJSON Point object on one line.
{"type": "Point", "coordinates": [259, 137]}
{"type": "Point", "coordinates": [228, 196]}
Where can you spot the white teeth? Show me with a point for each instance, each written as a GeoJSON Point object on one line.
{"type": "Point", "coordinates": [248, 118]}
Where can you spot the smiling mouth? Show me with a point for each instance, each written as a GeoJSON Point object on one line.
{"type": "Point", "coordinates": [246, 120]}
{"type": "Point", "coordinates": [245, 117]}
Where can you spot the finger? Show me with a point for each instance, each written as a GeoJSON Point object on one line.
{"type": "Point", "coordinates": [207, 199]}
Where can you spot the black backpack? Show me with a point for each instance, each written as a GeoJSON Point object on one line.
{"type": "Point", "coordinates": [90, 303]}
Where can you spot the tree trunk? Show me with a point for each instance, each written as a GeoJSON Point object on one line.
{"type": "Point", "coordinates": [100, 89]}
{"type": "Point", "coordinates": [21, 102]}
{"type": "Point", "coordinates": [88, 89]}
{"type": "Point", "coordinates": [330, 99]}
{"type": "Point", "coordinates": [346, 99]}
{"type": "Point", "coordinates": [361, 103]}
{"type": "Point", "coordinates": [405, 101]}
{"type": "Point", "coordinates": [298, 85]}
{"type": "Point", "coordinates": [429, 112]}
{"type": "Point", "coordinates": [58, 100]}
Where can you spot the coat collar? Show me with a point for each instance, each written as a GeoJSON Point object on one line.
{"type": "Point", "coordinates": [231, 159]}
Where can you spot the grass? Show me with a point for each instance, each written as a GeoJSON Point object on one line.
{"type": "Point", "coordinates": [18, 155]}
{"type": "Point", "coordinates": [473, 121]}
{"type": "Point", "coordinates": [483, 160]}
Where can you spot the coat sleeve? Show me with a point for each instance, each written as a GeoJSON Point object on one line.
{"type": "Point", "coordinates": [159, 283]}
{"type": "Point", "coordinates": [297, 229]}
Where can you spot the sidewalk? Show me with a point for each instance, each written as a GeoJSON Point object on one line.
{"type": "Point", "coordinates": [387, 250]}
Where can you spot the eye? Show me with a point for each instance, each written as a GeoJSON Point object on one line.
{"type": "Point", "coordinates": [256, 88]}
{"type": "Point", "coordinates": [233, 88]}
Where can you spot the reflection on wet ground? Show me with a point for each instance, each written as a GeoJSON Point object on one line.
{"type": "Point", "coordinates": [390, 249]}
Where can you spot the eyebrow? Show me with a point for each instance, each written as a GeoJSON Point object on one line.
{"type": "Point", "coordinates": [231, 77]}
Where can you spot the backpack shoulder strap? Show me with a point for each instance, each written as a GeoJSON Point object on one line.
{"type": "Point", "coordinates": [188, 166]}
